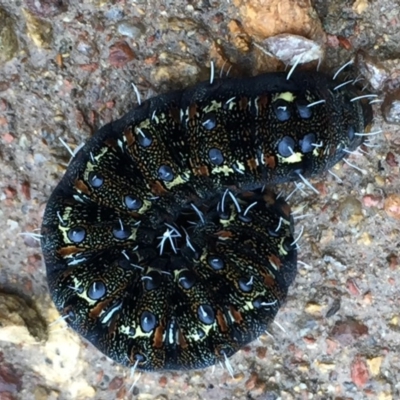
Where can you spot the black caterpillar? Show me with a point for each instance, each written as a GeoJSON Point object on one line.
{"type": "Point", "coordinates": [162, 246]}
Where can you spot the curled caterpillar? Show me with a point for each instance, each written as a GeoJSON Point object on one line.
{"type": "Point", "coordinates": [162, 246]}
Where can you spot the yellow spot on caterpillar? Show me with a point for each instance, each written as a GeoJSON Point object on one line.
{"type": "Point", "coordinates": [316, 152]}
{"type": "Point", "coordinates": [179, 180]}
{"type": "Point", "coordinates": [292, 159]}
{"type": "Point", "coordinates": [214, 106]}
{"type": "Point", "coordinates": [286, 96]}
{"type": "Point", "coordinates": [240, 166]}
{"type": "Point", "coordinates": [126, 330]}
{"type": "Point", "coordinates": [223, 169]}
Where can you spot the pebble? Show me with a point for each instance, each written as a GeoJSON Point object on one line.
{"type": "Point", "coordinates": [26, 190]}
{"type": "Point", "coordinates": [360, 6]}
{"type": "Point", "coordinates": [20, 323]}
{"type": "Point", "coordinates": [115, 383]}
{"type": "Point", "coordinates": [374, 72]}
{"type": "Point", "coordinates": [365, 239]}
{"type": "Point", "coordinates": [348, 331]}
{"type": "Point", "coordinates": [372, 201]}
{"type": "Point", "coordinates": [392, 205]}
{"type": "Point", "coordinates": [282, 16]}
{"type": "Point", "coordinates": [12, 225]}
{"type": "Point", "coordinates": [8, 38]}
{"type": "Point", "coordinates": [391, 159]}
{"type": "Point", "coordinates": [8, 137]}
{"type": "Point", "coordinates": [359, 372]}
{"type": "Point", "coordinates": [313, 308]}
{"type": "Point", "coordinates": [261, 352]}
{"type": "Point", "coordinates": [292, 48]}
{"type": "Point", "coordinates": [374, 365]}
{"type": "Point", "coordinates": [38, 30]}
{"type": "Point", "coordinates": [350, 209]}
{"type": "Point", "coordinates": [10, 380]}
{"type": "Point", "coordinates": [47, 8]}
{"type": "Point", "coordinates": [352, 287]}
{"type": "Point", "coordinates": [188, 71]}
{"type": "Point", "coordinates": [391, 107]}
{"type": "Point", "coordinates": [134, 31]}
{"type": "Point", "coordinates": [120, 54]}
{"type": "Point", "coordinates": [114, 14]}
{"type": "Point", "coordinates": [333, 309]}
{"type": "Point", "coordinates": [238, 36]}
{"type": "Point", "coordinates": [163, 381]}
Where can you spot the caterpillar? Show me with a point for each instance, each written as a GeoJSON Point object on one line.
{"type": "Point", "coordinates": [164, 244]}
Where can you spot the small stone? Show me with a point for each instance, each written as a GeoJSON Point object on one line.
{"type": "Point", "coordinates": [393, 261]}
{"type": "Point", "coordinates": [291, 49]}
{"type": "Point", "coordinates": [372, 201]}
{"type": "Point", "coordinates": [8, 38]}
{"type": "Point", "coordinates": [325, 367]}
{"type": "Point", "coordinates": [39, 31]}
{"type": "Point", "coordinates": [344, 42]}
{"type": "Point", "coordinates": [384, 396]}
{"type": "Point", "coordinates": [359, 372]}
{"type": "Point", "coordinates": [237, 377]}
{"type": "Point", "coordinates": [181, 69]}
{"type": "Point", "coordinates": [391, 160]}
{"type": "Point", "coordinates": [177, 24]}
{"type": "Point", "coordinates": [313, 308]}
{"type": "Point", "coordinates": [331, 259]}
{"type": "Point", "coordinates": [133, 31]}
{"type": "Point", "coordinates": [392, 205]}
{"type": "Point", "coordinates": [41, 393]}
{"type": "Point", "coordinates": [365, 239]}
{"type": "Point", "coordinates": [4, 85]}
{"type": "Point", "coordinates": [310, 341]}
{"type": "Point", "coordinates": [367, 298]}
{"type": "Point", "coordinates": [348, 331]}
{"type": "Point", "coordinates": [8, 138]}
{"type": "Point", "coordinates": [239, 37]}
{"type": "Point", "coordinates": [115, 383]}
{"type": "Point", "coordinates": [282, 15]}
{"type": "Point", "coordinates": [20, 323]}
{"type": "Point", "coordinates": [333, 309]}
{"type": "Point", "coordinates": [163, 381]}
{"type": "Point", "coordinates": [380, 180]}
{"type": "Point", "coordinates": [26, 190]}
{"type": "Point", "coordinates": [261, 352]}
{"type": "Point", "coordinates": [10, 192]}
{"type": "Point", "coordinates": [331, 346]}
{"type": "Point", "coordinates": [360, 6]}
{"type": "Point", "coordinates": [391, 107]}
{"type": "Point", "coordinates": [120, 54]}
{"type": "Point", "coordinates": [13, 225]}
{"type": "Point", "coordinates": [374, 71]}
{"type": "Point", "coordinates": [352, 287]}
{"type": "Point", "coordinates": [374, 365]}
{"type": "Point", "coordinates": [350, 210]}
{"type": "Point", "coordinates": [10, 379]}
{"type": "Point", "coordinates": [114, 13]}
{"type": "Point", "coordinates": [251, 382]}
{"type": "Point", "coordinates": [47, 8]}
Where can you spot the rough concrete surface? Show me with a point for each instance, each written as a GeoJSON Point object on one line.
{"type": "Point", "coordinates": [66, 68]}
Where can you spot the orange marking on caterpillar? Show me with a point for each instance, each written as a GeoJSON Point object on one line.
{"type": "Point", "coordinates": [130, 138]}
{"type": "Point", "coordinates": [236, 314]}
{"type": "Point", "coordinates": [82, 187]}
{"type": "Point", "coordinates": [221, 322]}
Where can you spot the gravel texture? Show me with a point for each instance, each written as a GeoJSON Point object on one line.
{"type": "Point", "coordinates": [66, 68]}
